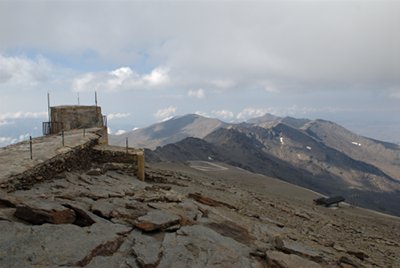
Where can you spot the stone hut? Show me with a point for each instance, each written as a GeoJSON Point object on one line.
{"type": "Point", "coordinates": [68, 117]}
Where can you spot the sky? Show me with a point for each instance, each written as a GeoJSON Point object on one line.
{"type": "Point", "coordinates": [233, 60]}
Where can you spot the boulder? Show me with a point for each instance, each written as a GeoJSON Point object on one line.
{"type": "Point", "coordinates": [209, 201]}
{"type": "Point", "coordinates": [278, 259]}
{"type": "Point", "coordinates": [199, 246]}
{"type": "Point", "coordinates": [94, 172]}
{"type": "Point", "coordinates": [294, 247]}
{"type": "Point", "coordinates": [146, 249]}
{"type": "Point", "coordinates": [156, 220]}
{"type": "Point", "coordinates": [51, 245]}
{"type": "Point", "coordinates": [44, 211]}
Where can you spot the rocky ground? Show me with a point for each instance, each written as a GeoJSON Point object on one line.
{"type": "Point", "coordinates": [183, 217]}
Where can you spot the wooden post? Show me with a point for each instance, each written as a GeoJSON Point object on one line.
{"type": "Point", "coordinates": [62, 134]}
{"type": "Point", "coordinates": [140, 166]}
{"type": "Point", "coordinates": [48, 106]}
{"type": "Point", "coordinates": [126, 142]}
{"type": "Point", "coordinates": [30, 145]}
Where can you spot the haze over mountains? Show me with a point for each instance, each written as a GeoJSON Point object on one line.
{"type": "Point", "coordinates": [316, 154]}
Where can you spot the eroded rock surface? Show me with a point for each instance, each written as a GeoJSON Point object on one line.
{"type": "Point", "coordinates": [183, 218]}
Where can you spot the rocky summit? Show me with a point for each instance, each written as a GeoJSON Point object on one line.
{"type": "Point", "coordinates": [186, 216]}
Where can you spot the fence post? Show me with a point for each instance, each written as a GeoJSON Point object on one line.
{"type": "Point", "coordinates": [126, 145]}
{"type": "Point", "coordinates": [140, 166]}
{"type": "Point", "coordinates": [30, 145]}
{"type": "Point", "coordinates": [84, 132]}
{"type": "Point", "coordinates": [62, 134]}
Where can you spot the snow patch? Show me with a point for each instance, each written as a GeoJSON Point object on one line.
{"type": "Point", "coordinates": [356, 143]}
{"type": "Point", "coordinates": [281, 139]}
{"type": "Point", "coordinates": [308, 148]}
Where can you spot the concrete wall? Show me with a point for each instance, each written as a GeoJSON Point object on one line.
{"type": "Point", "coordinates": [76, 117]}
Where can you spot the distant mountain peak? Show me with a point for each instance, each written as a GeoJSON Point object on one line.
{"type": "Point", "coordinates": [267, 117]}
{"type": "Point", "coordinates": [170, 131]}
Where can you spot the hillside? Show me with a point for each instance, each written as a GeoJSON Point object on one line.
{"type": "Point", "coordinates": [384, 155]}
{"type": "Point", "coordinates": [170, 131]}
{"type": "Point", "coordinates": [291, 154]}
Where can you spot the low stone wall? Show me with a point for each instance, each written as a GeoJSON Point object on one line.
{"type": "Point", "coordinates": [78, 158]}
{"type": "Point", "coordinates": [115, 154]}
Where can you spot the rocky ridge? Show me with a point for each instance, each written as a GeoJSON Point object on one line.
{"type": "Point", "coordinates": [182, 217]}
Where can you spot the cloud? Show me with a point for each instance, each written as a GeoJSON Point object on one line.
{"type": "Point", "coordinates": [120, 132]}
{"type": "Point", "coordinates": [166, 113]}
{"type": "Point", "coordinates": [223, 114]}
{"type": "Point", "coordinates": [251, 112]}
{"type": "Point", "coordinates": [287, 42]}
{"type": "Point", "coordinates": [123, 78]}
{"type": "Point", "coordinates": [24, 72]}
{"type": "Point", "coordinates": [22, 115]}
{"type": "Point", "coordinates": [5, 122]}
{"type": "Point", "coordinates": [395, 92]}
{"type": "Point", "coordinates": [199, 93]}
{"type": "Point", "coordinates": [117, 116]}
{"type": "Point", "coordinates": [4, 141]}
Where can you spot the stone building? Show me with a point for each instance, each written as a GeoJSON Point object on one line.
{"type": "Point", "coordinates": [68, 117]}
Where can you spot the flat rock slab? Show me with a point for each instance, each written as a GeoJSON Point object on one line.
{"type": "Point", "coordinates": [156, 220]}
{"type": "Point", "coordinates": [44, 211]}
{"type": "Point", "coordinates": [278, 259]}
{"type": "Point", "coordinates": [146, 249]}
{"type": "Point", "coordinates": [209, 201]}
{"type": "Point", "coordinates": [294, 247]}
{"type": "Point", "coordinates": [199, 246]}
{"type": "Point", "coordinates": [50, 245]}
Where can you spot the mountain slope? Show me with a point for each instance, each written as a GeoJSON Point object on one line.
{"type": "Point", "coordinates": [383, 155]}
{"type": "Point", "coordinates": [290, 154]}
{"type": "Point", "coordinates": [170, 131]}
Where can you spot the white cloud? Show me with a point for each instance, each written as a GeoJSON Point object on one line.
{"type": "Point", "coordinates": [166, 113]}
{"type": "Point", "coordinates": [21, 115]}
{"type": "Point", "coordinates": [251, 112]}
{"type": "Point", "coordinates": [158, 76]}
{"type": "Point", "coordinates": [223, 83]}
{"type": "Point", "coordinates": [123, 78]}
{"type": "Point", "coordinates": [4, 141]}
{"type": "Point", "coordinates": [223, 114]}
{"type": "Point", "coordinates": [120, 132]}
{"type": "Point", "coordinates": [199, 93]}
{"type": "Point", "coordinates": [117, 116]}
{"type": "Point", "coordinates": [24, 72]}
{"type": "Point", "coordinates": [7, 140]}
{"type": "Point", "coordinates": [5, 122]}
{"type": "Point", "coordinates": [202, 113]}
{"type": "Point", "coordinates": [395, 94]}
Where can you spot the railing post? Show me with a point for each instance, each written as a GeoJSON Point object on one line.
{"type": "Point", "coordinates": [30, 145]}
{"type": "Point", "coordinates": [140, 166]}
{"type": "Point", "coordinates": [62, 134]}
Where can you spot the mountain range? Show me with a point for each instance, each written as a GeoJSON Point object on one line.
{"type": "Point", "coordinates": [316, 154]}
